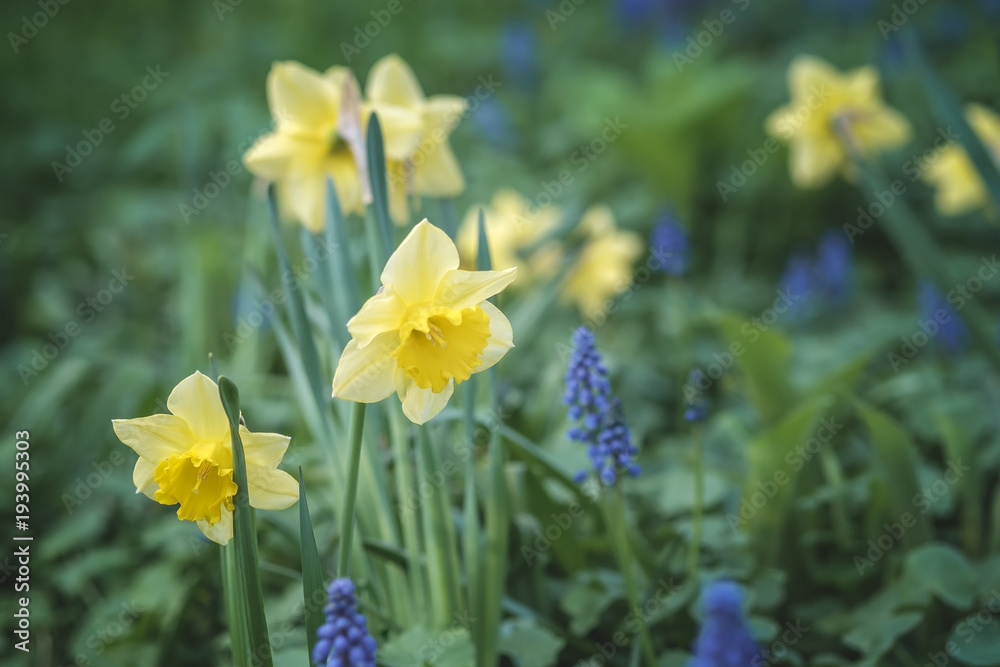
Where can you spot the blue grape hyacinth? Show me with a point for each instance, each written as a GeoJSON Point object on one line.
{"type": "Point", "coordinates": [600, 415]}
{"type": "Point", "coordinates": [724, 639]}
{"type": "Point", "coordinates": [343, 639]}
{"type": "Point", "coordinates": [833, 264]}
{"type": "Point", "coordinates": [952, 334]}
{"type": "Point", "coordinates": [669, 243]}
{"type": "Point", "coordinates": [695, 402]}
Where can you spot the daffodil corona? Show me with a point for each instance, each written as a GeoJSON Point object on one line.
{"type": "Point", "coordinates": [427, 329]}
{"type": "Point", "coordinates": [831, 116]}
{"type": "Point", "coordinates": [960, 188]}
{"type": "Point", "coordinates": [186, 459]}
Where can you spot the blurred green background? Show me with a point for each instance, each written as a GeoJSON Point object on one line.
{"type": "Point", "coordinates": [116, 580]}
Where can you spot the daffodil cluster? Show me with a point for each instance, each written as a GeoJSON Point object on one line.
{"type": "Point", "coordinates": [186, 459]}
{"type": "Point", "coordinates": [320, 120]}
{"type": "Point", "coordinates": [959, 186]}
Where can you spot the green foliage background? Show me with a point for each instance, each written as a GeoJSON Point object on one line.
{"type": "Point", "coordinates": [116, 580]}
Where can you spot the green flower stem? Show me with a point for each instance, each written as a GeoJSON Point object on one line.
{"type": "Point", "coordinates": [400, 436]}
{"type": "Point", "coordinates": [350, 490]}
{"type": "Point", "coordinates": [471, 545]}
{"type": "Point", "coordinates": [699, 500]}
{"type": "Point", "coordinates": [618, 529]}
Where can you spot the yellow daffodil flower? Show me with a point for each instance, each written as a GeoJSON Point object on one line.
{"type": "Point", "coordinates": [960, 189]}
{"type": "Point", "coordinates": [604, 266]}
{"type": "Point", "coordinates": [833, 115]}
{"type": "Point", "coordinates": [419, 160]}
{"type": "Point", "coordinates": [315, 137]}
{"type": "Point", "coordinates": [187, 457]}
{"type": "Point", "coordinates": [428, 328]}
{"type": "Point", "coordinates": [512, 226]}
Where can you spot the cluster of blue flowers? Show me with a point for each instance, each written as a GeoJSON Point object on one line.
{"type": "Point", "coordinates": [724, 639]}
{"type": "Point", "coordinates": [344, 640]}
{"type": "Point", "coordinates": [600, 415]}
{"type": "Point", "coordinates": [669, 243]}
{"type": "Point", "coordinates": [952, 334]}
{"type": "Point", "coordinates": [823, 280]}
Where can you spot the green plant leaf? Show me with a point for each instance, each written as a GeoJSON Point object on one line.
{"type": "Point", "coordinates": [419, 646]}
{"type": "Point", "coordinates": [943, 570]}
{"type": "Point", "coordinates": [529, 644]}
{"type": "Point", "coordinates": [763, 362]}
{"type": "Point", "coordinates": [247, 565]}
{"type": "Point", "coordinates": [976, 643]}
{"type": "Point", "coordinates": [874, 639]}
{"type": "Point", "coordinates": [313, 593]}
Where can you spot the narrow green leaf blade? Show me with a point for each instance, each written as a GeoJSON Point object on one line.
{"type": "Point", "coordinates": [245, 536]}
{"type": "Point", "coordinates": [377, 177]}
{"type": "Point", "coordinates": [313, 595]}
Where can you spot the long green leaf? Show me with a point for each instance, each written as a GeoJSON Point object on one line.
{"type": "Point", "coordinates": [232, 594]}
{"type": "Point", "coordinates": [377, 177]}
{"type": "Point", "coordinates": [245, 537]}
{"type": "Point", "coordinates": [297, 314]}
{"type": "Point", "coordinates": [313, 595]}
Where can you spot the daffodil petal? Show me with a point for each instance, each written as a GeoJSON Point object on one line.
{"type": "Point", "coordinates": [143, 478]}
{"type": "Point", "coordinates": [380, 314]}
{"type": "Point", "coordinates": [501, 337]}
{"type": "Point", "coordinates": [196, 400]}
{"type": "Point", "coordinates": [271, 489]}
{"type": "Point", "coordinates": [397, 179]}
{"type": "Point", "coordinates": [436, 172]}
{"type": "Point", "coordinates": [305, 195]}
{"type": "Point", "coordinates": [263, 449]}
{"type": "Point", "coordinates": [421, 405]}
{"type": "Point", "coordinates": [814, 162]}
{"type": "Point", "coordinates": [278, 155]}
{"type": "Point", "coordinates": [808, 75]}
{"type": "Point", "coordinates": [156, 437]}
{"type": "Point", "coordinates": [365, 374]}
{"type": "Point", "coordinates": [415, 270]}
{"type": "Point", "coordinates": [301, 97]}
{"type": "Point", "coordinates": [464, 289]}
{"type": "Point", "coordinates": [443, 112]}
{"type": "Point", "coordinates": [391, 81]}
{"type": "Point", "coordinates": [220, 532]}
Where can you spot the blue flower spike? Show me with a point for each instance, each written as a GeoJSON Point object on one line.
{"type": "Point", "coordinates": [600, 416]}
{"type": "Point", "coordinates": [343, 639]}
{"type": "Point", "coordinates": [724, 639]}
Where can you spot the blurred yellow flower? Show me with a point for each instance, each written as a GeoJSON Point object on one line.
{"type": "Point", "coordinates": [831, 115]}
{"type": "Point", "coordinates": [604, 267]}
{"type": "Point", "coordinates": [313, 139]}
{"type": "Point", "coordinates": [512, 226]}
{"type": "Point", "coordinates": [427, 329]}
{"type": "Point", "coordinates": [419, 160]}
{"type": "Point", "coordinates": [960, 189]}
{"type": "Point", "coordinates": [187, 457]}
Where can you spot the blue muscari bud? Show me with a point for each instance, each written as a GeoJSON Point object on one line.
{"type": "Point", "coordinates": [799, 281]}
{"type": "Point", "coordinates": [602, 428]}
{"type": "Point", "coordinates": [669, 244]}
{"type": "Point", "coordinates": [833, 265]}
{"type": "Point", "coordinates": [696, 406]}
{"type": "Point", "coordinates": [724, 639]}
{"type": "Point", "coordinates": [519, 49]}
{"type": "Point", "coordinates": [952, 334]}
{"type": "Point", "coordinates": [343, 639]}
